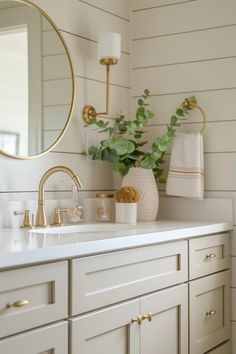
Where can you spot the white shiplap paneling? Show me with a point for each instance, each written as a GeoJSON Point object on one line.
{"type": "Point", "coordinates": [81, 19]}
{"type": "Point", "coordinates": [145, 4]}
{"type": "Point", "coordinates": [189, 77]}
{"type": "Point", "coordinates": [183, 17]}
{"type": "Point", "coordinates": [185, 47]}
{"type": "Point", "coordinates": [118, 8]}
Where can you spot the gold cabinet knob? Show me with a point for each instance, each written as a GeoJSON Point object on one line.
{"type": "Point", "coordinates": [147, 317]}
{"type": "Point", "coordinates": [210, 256]}
{"type": "Point", "coordinates": [138, 319]}
{"type": "Point", "coordinates": [18, 303]}
{"type": "Point", "coordinates": [210, 313]}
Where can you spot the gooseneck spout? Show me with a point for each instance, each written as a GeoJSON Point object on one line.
{"type": "Point", "coordinates": [41, 216]}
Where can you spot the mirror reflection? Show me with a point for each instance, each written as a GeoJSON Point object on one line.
{"type": "Point", "coordinates": [36, 86]}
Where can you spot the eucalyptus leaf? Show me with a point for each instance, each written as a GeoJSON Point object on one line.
{"type": "Point", "coordinates": [123, 148]}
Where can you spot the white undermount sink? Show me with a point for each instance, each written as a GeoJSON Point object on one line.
{"type": "Point", "coordinates": [82, 228]}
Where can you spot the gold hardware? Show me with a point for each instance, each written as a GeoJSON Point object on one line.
{"type": "Point", "coordinates": [27, 222]}
{"type": "Point", "coordinates": [210, 313]}
{"type": "Point", "coordinates": [139, 319]}
{"type": "Point", "coordinates": [90, 111]}
{"type": "Point", "coordinates": [73, 93]}
{"type": "Point", "coordinates": [108, 61]}
{"type": "Point", "coordinates": [19, 303]}
{"type": "Point", "coordinates": [41, 216]}
{"type": "Point", "coordinates": [57, 216]}
{"type": "Point", "coordinates": [147, 317]}
{"type": "Point", "coordinates": [104, 195]}
{"type": "Point", "coordinates": [210, 256]}
{"type": "Point", "coordinates": [186, 104]}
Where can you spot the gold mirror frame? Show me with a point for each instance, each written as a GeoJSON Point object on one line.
{"type": "Point", "coordinates": [18, 157]}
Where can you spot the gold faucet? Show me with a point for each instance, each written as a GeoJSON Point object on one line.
{"type": "Point", "coordinates": [41, 216]}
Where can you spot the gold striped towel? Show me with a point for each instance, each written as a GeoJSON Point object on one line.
{"type": "Point", "coordinates": [186, 171]}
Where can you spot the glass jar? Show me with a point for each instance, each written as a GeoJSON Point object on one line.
{"type": "Point", "coordinates": [104, 207]}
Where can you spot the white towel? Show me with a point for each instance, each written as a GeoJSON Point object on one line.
{"type": "Point", "coordinates": [186, 171]}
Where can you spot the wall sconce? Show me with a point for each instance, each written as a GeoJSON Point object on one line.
{"type": "Point", "coordinates": [109, 47]}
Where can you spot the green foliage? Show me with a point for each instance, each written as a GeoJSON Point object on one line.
{"type": "Point", "coordinates": [124, 146]}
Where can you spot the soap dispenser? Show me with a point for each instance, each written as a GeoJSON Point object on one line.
{"type": "Point", "coordinates": [75, 210]}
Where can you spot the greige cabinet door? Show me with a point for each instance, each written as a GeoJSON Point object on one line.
{"type": "Point", "coordinates": [108, 331]}
{"type": "Point", "coordinates": [45, 340]}
{"type": "Point", "coordinates": [167, 331]}
{"type": "Point", "coordinates": [209, 305]}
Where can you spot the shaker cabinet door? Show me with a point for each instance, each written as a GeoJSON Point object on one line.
{"type": "Point", "coordinates": [166, 331]}
{"type": "Point", "coordinates": [209, 304]}
{"type": "Point", "coordinates": [45, 340]}
{"type": "Point", "coordinates": [107, 331]}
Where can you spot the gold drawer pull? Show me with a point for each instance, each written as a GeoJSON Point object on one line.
{"type": "Point", "coordinates": [148, 317]}
{"type": "Point", "coordinates": [210, 313]}
{"type": "Point", "coordinates": [19, 303]}
{"type": "Point", "coordinates": [139, 319]}
{"type": "Point", "coordinates": [210, 256]}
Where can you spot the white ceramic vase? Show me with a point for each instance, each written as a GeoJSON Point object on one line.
{"type": "Point", "coordinates": [144, 182]}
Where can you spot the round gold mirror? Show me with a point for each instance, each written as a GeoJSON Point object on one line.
{"type": "Point", "coordinates": [37, 84]}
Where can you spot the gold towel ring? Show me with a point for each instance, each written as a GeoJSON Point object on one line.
{"type": "Point", "coordinates": [186, 104]}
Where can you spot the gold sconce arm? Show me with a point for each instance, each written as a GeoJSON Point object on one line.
{"type": "Point", "coordinates": [89, 111]}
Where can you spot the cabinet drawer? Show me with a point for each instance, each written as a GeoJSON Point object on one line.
{"type": "Point", "coordinates": [46, 340]}
{"type": "Point", "coordinates": [208, 255]}
{"type": "Point", "coordinates": [221, 349]}
{"type": "Point", "coordinates": [209, 312]}
{"type": "Point", "coordinates": [44, 289]}
{"type": "Point", "coordinates": [106, 279]}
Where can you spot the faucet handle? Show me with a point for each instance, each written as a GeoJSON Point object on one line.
{"type": "Point", "coordinates": [27, 222]}
{"type": "Point", "coordinates": [57, 216]}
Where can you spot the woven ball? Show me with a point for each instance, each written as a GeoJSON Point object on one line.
{"type": "Point", "coordinates": [126, 194]}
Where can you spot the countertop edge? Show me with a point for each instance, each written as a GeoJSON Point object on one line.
{"type": "Point", "coordinates": [83, 249]}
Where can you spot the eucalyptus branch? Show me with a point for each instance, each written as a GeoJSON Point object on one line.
{"type": "Point", "coordinates": [124, 146]}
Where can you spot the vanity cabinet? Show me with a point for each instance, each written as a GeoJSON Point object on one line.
{"type": "Point", "coordinates": [169, 298]}
{"type": "Point", "coordinates": [117, 329]}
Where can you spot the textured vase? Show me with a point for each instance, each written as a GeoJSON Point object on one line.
{"type": "Point", "coordinates": [144, 182]}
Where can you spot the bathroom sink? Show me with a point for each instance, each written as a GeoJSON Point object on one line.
{"type": "Point", "coordinates": [82, 228]}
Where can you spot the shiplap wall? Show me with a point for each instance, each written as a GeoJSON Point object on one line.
{"type": "Point", "coordinates": [187, 47]}
{"type": "Point", "coordinates": [196, 56]}
{"type": "Point", "coordinates": [79, 22]}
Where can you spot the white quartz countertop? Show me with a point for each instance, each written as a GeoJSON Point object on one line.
{"type": "Point", "coordinates": [22, 247]}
